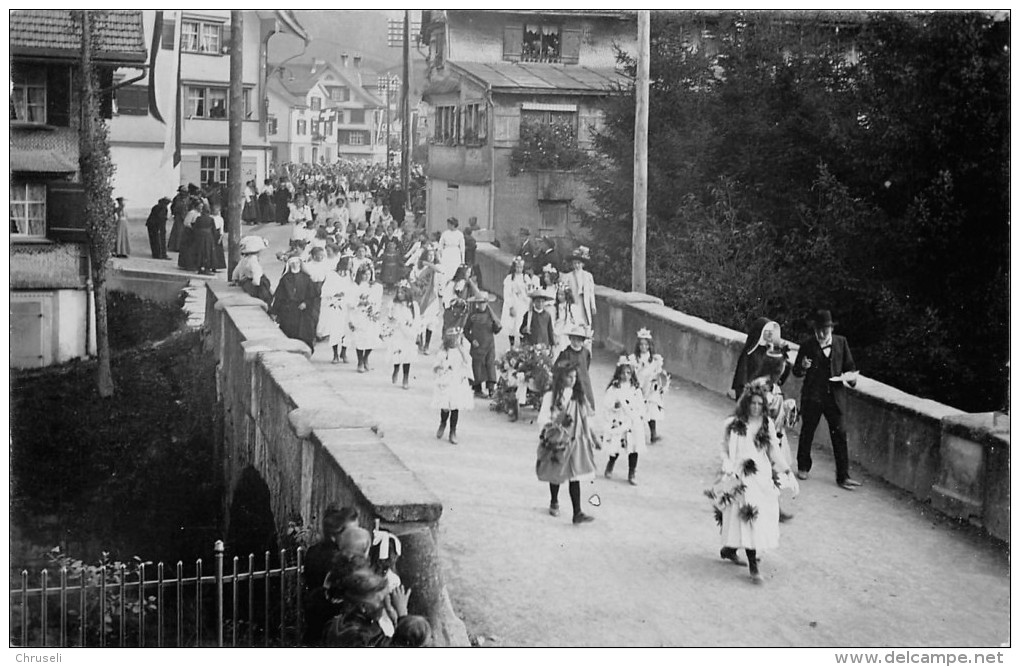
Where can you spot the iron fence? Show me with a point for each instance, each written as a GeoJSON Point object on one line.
{"type": "Point", "coordinates": [119, 607]}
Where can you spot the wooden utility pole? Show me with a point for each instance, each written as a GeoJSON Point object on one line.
{"type": "Point", "coordinates": [388, 86]}
{"type": "Point", "coordinates": [235, 177]}
{"type": "Point", "coordinates": [639, 240]}
{"type": "Point", "coordinates": [405, 101]}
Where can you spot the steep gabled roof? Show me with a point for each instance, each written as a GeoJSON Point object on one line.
{"type": "Point", "coordinates": [277, 88]}
{"type": "Point", "coordinates": [57, 34]}
{"type": "Point", "coordinates": [297, 79]}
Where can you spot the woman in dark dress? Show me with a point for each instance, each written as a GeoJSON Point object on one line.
{"type": "Point", "coordinates": [203, 242]}
{"type": "Point", "coordinates": [292, 304]}
{"type": "Point", "coordinates": [187, 259]}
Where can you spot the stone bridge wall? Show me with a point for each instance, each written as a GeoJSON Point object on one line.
{"type": "Point", "coordinates": [956, 461]}
{"type": "Point", "coordinates": [312, 448]}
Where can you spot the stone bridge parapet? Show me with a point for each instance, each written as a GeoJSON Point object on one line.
{"type": "Point", "coordinates": [313, 449]}
{"type": "Point", "coordinates": [956, 461]}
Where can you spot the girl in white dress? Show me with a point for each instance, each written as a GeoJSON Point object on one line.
{"type": "Point", "coordinates": [337, 291]}
{"type": "Point", "coordinates": [452, 391]}
{"type": "Point", "coordinates": [405, 320]}
{"type": "Point", "coordinates": [563, 318]}
{"type": "Point", "coordinates": [516, 301]}
{"type": "Point", "coordinates": [363, 317]}
{"type": "Point", "coordinates": [623, 419]}
{"type": "Point", "coordinates": [653, 379]}
{"type": "Point", "coordinates": [746, 497]}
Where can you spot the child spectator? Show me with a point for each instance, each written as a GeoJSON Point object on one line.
{"type": "Point", "coordinates": [412, 632]}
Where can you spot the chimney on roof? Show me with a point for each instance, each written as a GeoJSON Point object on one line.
{"type": "Point", "coordinates": [316, 64]}
{"type": "Point", "coordinates": [343, 59]}
{"type": "Point", "coordinates": [357, 60]}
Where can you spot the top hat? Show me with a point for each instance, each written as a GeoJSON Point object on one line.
{"type": "Point", "coordinates": [822, 318]}
{"type": "Point", "coordinates": [581, 253]}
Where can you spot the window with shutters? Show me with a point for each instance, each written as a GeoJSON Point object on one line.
{"type": "Point", "coordinates": [302, 127]}
{"type": "Point", "coordinates": [339, 93]}
{"type": "Point", "coordinates": [205, 37]}
{"type": "Point", "coordinates": [271, 125]}
{"type": "Point", "coordinates": [356, 138]}
{"type": "Point", "coordinates": [28, 93]}
{"type": "Point", "coordinates": [541, 43]}
{"type": "Point", "coordinates": [132, 101]}
{"type": "Point", "coordinates": [316, 103]}
{"type": "Point", "coordinates": [28, 209]}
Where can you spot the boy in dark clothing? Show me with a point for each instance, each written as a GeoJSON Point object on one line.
{"type": "Point", "coordinates": [481, 328]}
{"type": "Point", "coordinates": [579, 354]}
{"type": "Point", "coordinates": [318, 561]}
{"type": "Point", "coordinates": [537, 327]}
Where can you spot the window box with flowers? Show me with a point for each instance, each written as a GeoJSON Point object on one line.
{"type": "Point", "coordinates": [546, 147]}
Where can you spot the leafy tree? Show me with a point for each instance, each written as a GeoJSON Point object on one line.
{"type": "Point", "coordinates": [788, 172]}
{"type": "Point", "coordinates": [96, 172]}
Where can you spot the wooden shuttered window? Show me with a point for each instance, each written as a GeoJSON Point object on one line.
{"type": "Point", "coordinates": [65, 211]}
{"type": "Point", "coordinates": [169, 29]}
{"type": "Point", "coordinates": [570, 49]}
{"type": "Point", "coordinates": [59, 84]}
{"type": "Point", "coordinates": [513, 39]}
{"type": "Point", "coordinates": [133, 100]}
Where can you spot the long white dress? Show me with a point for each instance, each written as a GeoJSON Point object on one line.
{"type": "Point", "coordinates": [406, 326]}
{"type": "Point", "coordinates": [652, 380]}
{"type": "Point", "coordinates": [515, 297]}
{"type": "Point", "coordinates": [750, 519]}
{"type": "Point", "coordinates": [623, 420]}
{"type": "Point", "coordinates": [337, 291]}
{"type": "Point", "coordinates": [452, 389]}
{"type": "Point", "coordinates": [451, 251]}
{"type": "Point", "coordinates": [365, 330]}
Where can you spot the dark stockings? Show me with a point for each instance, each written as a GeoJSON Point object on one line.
{"type": "Point", "coordinates": [453, 416]}
{"type": "Point", "coordinates": [575, 495]}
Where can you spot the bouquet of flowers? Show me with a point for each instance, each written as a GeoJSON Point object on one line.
{"type": "Point", "coordinates": [530, 366]}
{"type": "Point", "coordinates": [555, 436]}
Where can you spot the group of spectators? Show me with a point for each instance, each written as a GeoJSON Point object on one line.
{"type": "Point", "coordinates": [353, 594]}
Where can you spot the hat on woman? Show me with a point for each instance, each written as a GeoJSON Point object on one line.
{"type": "Point", "coordinates": [643, 332]}
{"type": "Point", "coordinates": [251, 245]}
{"type": "Point", "coordinates": [625, 360]}
{"type": "Point", "coordinates": [581, 253]}
{"type": "Point", "coordinates": [579, 330]}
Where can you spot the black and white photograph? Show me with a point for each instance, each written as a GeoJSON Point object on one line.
{"type": "Point", "coordinates": [679, 329]}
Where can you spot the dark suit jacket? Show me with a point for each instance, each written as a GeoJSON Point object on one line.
{"type": "Point", "coordinates": [816, 379]}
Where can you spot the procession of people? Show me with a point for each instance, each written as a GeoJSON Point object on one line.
{"type": "Point", "coordinates": [361, 274]}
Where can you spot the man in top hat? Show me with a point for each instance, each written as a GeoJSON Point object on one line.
{"type": "Point", "coordinates": [155, 224]}
{"type": "Point", "coordinates": [537, 325]}
{"type": "Point", "coordinates": [480, 329]}
{"type": "Point", "coordinates": [582, 286]}
{"type": "Point", "coordinates": [825, 363]}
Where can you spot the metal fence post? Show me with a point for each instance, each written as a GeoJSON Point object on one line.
{"type": "Point", "coordinates": [218, 549]}
{"type": "Point", "coordinates": [43, 606]}
{"type": "Point", "coordinates": [24, 608]}
{"type": "Point", "coordinates": [63, 606]}
{"type": "Point", "coordinates": [141, 605]}
{"type": "Point", "coordinates": [102, 606]}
